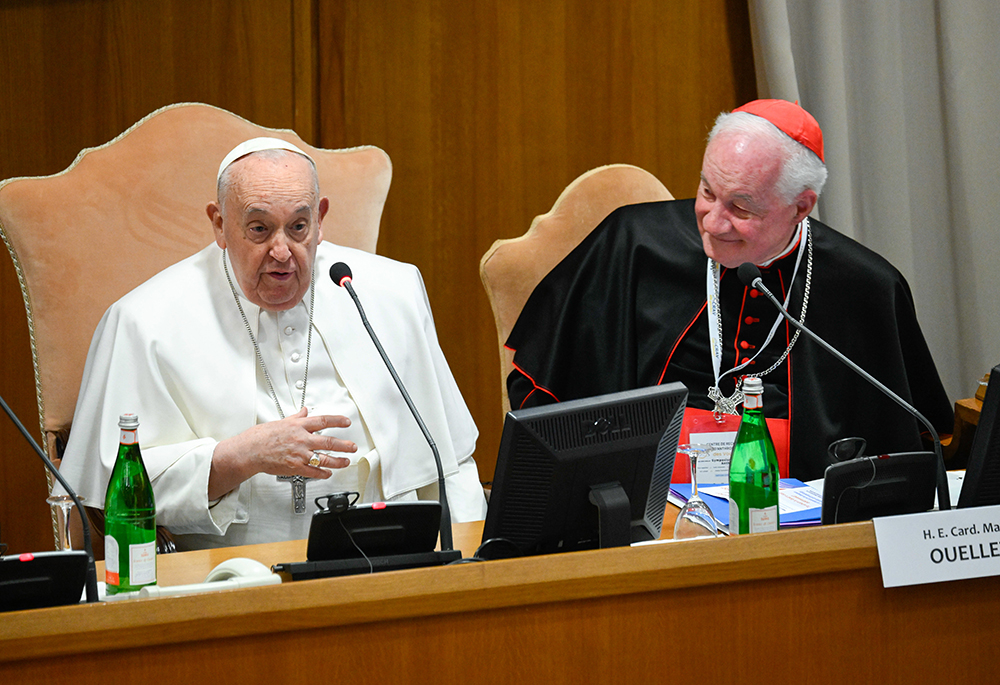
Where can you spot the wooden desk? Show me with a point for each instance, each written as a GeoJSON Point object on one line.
{"type": "Point", "coordinates": [801, 605]}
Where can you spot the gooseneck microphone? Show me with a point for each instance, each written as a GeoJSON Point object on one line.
{"type": "Point", "coordinates": [750, 276]}
{"type": "Point", "coordinates": [341, 275]}
{"type": "Point", "coordinates": [91, 578]}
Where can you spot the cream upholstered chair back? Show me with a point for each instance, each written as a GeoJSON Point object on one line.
{"type": "Point", "coordinates": [512, 268]}
{"type": "Point", "coordinates": [122, 212]}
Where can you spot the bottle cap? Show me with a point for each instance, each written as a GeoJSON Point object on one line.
{"type": "Point", "coordinates": [752, 385]}
{"type": "Point", "coordinates": [128, 421]}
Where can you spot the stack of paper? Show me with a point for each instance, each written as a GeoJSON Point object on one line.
{"type": "Point", "coordinates": [799, 504]}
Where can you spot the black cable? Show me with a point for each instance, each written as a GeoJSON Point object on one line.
{"type": "Point", "coordinates": [371, 568]}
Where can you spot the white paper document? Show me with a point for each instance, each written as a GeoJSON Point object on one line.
{"type": "Point", "coordinates": [792, 498]}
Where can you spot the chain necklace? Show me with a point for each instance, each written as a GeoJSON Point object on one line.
{"type": "Point", "coordinates": [298, 483]}
{"type": "Point", "coordinates": [728, 405]}
{"type": "Point", "coordinates": [802, 315]}
{"type": "Point", "coordinates": [256, 347]}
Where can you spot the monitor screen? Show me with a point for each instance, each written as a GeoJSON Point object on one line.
{"type": "Point", "coordinates": [982, 474]}
{"type": "Point", "coordinates": [586, 473]}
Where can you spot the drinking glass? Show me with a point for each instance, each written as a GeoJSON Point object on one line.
{"type": "Point", "coordinates": [64, 503]}
{"type": "Point", "coordinates": [695, 519]}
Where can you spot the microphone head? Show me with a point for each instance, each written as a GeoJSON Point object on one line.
{"type": "Point", "coordinates": [748, 273]}
{"type": "Point", "coordinates": [340, 273]}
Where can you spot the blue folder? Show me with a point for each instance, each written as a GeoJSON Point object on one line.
{"type": "Point", "coordinates": [720, 507]}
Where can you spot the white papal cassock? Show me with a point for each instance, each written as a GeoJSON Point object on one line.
{"type": "Point", "coordinates": [176, 352]}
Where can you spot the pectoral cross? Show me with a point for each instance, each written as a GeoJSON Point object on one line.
{"type": "Point", "coordinates": [723, 404]}
{"type": "Point", "coordinates": [298, 492]}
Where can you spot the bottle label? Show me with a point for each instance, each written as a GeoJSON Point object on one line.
{"type": "Point", "coordinates": [764, 520]}
{"type": "Point", "coordinates": [753, 401]}
{"type": "Point", "coordinates": [127, 437]}
{"type": "Point", "coordinates": [142, 564]}
{"type": "Point", "coordinates": [111, 561]}
{"type": "Point", "coordinates": [761, 520]}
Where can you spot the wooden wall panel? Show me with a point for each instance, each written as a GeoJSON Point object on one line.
{"type": "Point", "coordinates": [489, 109]}
{"type": "Point", "coordinates": [77, 73]}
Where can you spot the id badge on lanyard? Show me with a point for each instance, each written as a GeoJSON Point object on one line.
{"type": "Point", "coordinates": [701, 428]}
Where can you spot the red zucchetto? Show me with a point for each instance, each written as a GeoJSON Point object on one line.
{"type": "Point", "coordinates": [791, 119]}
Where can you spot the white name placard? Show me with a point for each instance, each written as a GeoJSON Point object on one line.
{"type": "Point", "coordinates": [938, 546]}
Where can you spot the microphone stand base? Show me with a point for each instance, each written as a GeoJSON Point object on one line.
{"type": "Point", "coordinates": [42, 579]}
{"type": "Point", "coordinates": [307, 570]}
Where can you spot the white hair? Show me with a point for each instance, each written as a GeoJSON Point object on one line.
{"type": "Point", "coordinates": [802, 168]}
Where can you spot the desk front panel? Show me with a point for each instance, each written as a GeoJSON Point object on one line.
{"type": "Point", "coordinates": [804, 604]}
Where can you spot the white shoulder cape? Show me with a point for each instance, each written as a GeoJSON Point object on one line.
{"type": "Point", "coordinates": [175, 351]}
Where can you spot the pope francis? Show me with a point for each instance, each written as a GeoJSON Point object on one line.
{"type": "Point", "coordinates": [250, 372]}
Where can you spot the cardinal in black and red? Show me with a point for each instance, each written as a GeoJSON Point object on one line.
{"type": "Point", "coordinates": [652, 296]}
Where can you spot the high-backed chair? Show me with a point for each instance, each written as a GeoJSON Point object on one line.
{"type": "Point", "coordinates": [512, 268]}
{"type": "Point", "coordinates": [122, 212]}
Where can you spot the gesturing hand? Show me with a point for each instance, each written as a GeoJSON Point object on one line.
{"type": "Point", "coordinates": [280, 448]}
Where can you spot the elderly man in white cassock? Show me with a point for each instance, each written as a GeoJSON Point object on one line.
{"type": "Point", "coordinates": [248, 369]}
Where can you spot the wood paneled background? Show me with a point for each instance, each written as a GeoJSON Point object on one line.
{"type": "Point", "coordinates": [488, 109]}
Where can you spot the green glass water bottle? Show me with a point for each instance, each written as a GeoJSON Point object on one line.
{"type": "Point", "coordinates": [129, 517]}
{"type": "Point", "coordinates": [753, 468]}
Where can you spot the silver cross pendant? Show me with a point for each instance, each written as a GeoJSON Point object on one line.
{"type": "Point", "coordinates": [724, 405]}
{"type": "Point", "coordinates": [298, 493]}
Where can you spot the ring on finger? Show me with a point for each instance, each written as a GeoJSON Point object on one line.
{"type": "Point", "coordinates": [314, 459]}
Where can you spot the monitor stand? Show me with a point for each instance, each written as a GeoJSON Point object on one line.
{"type": "Point", "coordinates": [614, 514]}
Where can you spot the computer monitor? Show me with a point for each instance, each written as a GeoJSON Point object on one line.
{"type": "Point", "coordinates": [982, 473]}
{"type": "Point", "coordinates": [586, 473]}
